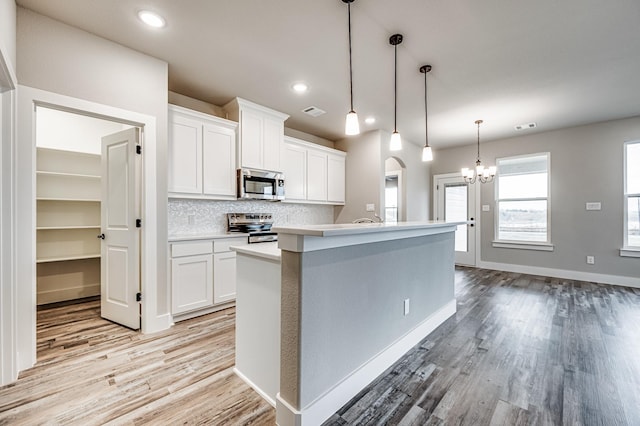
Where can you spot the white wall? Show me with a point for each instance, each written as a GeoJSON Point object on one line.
{"type": "Point", "coordinates": [8, 284]}
{"type": "Point", "coordinates": [586, 165]}
{"type": "Point", "coordinates": [8, 36]}
{"type": "Point", "coordinates": [72, 132]}
{"type": "Point", "coordinates": [64, 60]}
{"type": "Point", "coordinates": [416, 176]}
{"type": "Point", "coordinates": [365, 176]}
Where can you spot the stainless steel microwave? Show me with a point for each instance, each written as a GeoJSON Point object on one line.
{"type": "Point", "coordinates": [260, 184]}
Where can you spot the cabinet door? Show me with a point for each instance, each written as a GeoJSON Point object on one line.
{"type": "Point", "coordinates": [273, 134]}
{"type": "Point", "coordinates": [316, 175]}
{"type": "Point", "coordinates": [191, 283]}
{"type": "Point", "coordinates": [224, 277]}
{"type": "Point", "coordinates": [185, 155]}
{"type": "Point", "coordinates": [218, 161]}
{"type": "Point", "coordinates": [294, 167]}
{"type": "Point", "coordinates": [251, 139]}
{"type": "Point", "coordinates": [336, 179]}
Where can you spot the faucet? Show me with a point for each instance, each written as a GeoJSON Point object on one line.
{"type": "Point", "coordinates": [369, 220]}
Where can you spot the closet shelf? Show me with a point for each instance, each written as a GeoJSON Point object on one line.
{"type": "Point", "coordinates": [65, 258]}
{"type": "Point", "coordinates": [91, 200]}
{"type": "Point", "coordinates": [45, 228]}
{"type": "Point", "coordinates": [68, 175]}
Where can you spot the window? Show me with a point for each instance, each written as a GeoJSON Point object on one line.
{"type": "Point", "coordinates": [522, 200]}
{"type": "Point", "coordinates": [632, 195]}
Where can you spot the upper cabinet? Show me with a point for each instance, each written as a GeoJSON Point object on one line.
{"type": "Point", "coordinates": [313, 173]}
{"type": "Point", "coordinates": [202, 155]}
{"type": "Point", "coordinates": [261, 134]}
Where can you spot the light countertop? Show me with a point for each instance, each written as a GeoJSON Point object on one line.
{"type": "Point", "coordinates": [265, 250]}
{"type": "Point", "coordinates": [192, 237]}
{"type": "Point", "coordinates": [339, 229]}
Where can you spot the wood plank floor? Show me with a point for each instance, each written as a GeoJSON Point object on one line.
{"type": "Point", "coordinates": [521, 350]}
{"type": "Point", "coordinates": [92, 372]}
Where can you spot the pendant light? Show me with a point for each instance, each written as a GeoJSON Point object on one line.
{"type": "Point", "coordinates": [351, 125]}
{"type": "Point", "coordinates": [396, 142]}
{"type": "Point", "coordinates": [427, 154]}
{"type": "Point", "coordinates": [484, 175]}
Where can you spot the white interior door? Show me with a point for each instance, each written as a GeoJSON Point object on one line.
{"type": "Point", "coordinates": [120, 252]}
{"type": "Point", "coordinates": [455, 201]}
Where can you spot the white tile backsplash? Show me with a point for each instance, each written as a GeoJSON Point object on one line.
{"type": "Point", "coordinates": [189, 217]}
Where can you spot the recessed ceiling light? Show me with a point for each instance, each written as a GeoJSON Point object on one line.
{"type": "Point", "coordinates": [300, 88]}
{"type": "Point", "coordinates": [152, 19]}
{"type": "Point", "coordinates": [370, 120]}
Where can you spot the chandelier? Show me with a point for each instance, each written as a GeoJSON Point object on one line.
{"type": "Point", "coordinates": [484, 175]}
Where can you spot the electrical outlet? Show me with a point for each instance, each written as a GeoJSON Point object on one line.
{"type": "Point", "coordinates": [486, 208]}
{"type": "Point", "coordinates": [591, 260]}
{"type": "Point", "coordinates": [406, 307]}
{"type": "Point", "coordinates": [371, 207]}
{"type": "Point", "coordinates": [594, 205]}
{"type": "Point", "coordinates": [191, 219]}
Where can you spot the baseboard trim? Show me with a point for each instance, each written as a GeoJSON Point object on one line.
{"type": "Point", "coordinates": [563, 273]}
{"type": "Point", "coordinates": [254, 387]}
{"type": "Point", "coordinates": [326, 405]}
{"type": "Point", "coordinates": [69, 293]}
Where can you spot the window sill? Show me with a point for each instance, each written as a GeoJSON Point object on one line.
{"type": "Point", "coordinates": [523, 245]}
{"type": "Point", "coordinates": [630, 252]}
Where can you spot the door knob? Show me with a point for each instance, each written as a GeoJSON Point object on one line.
{"type": "Point", "coordinates": [101, 236]}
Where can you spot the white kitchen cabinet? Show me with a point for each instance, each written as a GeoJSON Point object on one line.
{"type": "Point", "coordinates": [294, 167]}
{"type": "Point", "coordinates": [316, 175]}
{"type": "Point", "coordinates": [261, 134]}
{"type": "Point", "coordinates": [224, 269]}
{"type": "Point", "coordinates": [313, 174]}
{"type": "Point", "coordinates": [336, 178]}
{"type": "Point", "coordinates": [191, 276]}
{"type": "Point", "coordinates": [191, 279]}
{"type": "Point", "coordinates": [203, 275]}
{"type": "Point", "coordinates": [224, 277]}
{"type": "Point", "coordinates": [202, 151]}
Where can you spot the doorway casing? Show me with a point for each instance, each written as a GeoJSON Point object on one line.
{"type": "Point", "coordinates": [28, 99]}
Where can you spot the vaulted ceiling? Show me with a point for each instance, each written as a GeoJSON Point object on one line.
{"type": "Point", "coordinates": [557, 63]}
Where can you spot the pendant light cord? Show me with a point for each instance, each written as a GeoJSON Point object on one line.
{"type": "Point", "coordinates": [350, 62]}
{"type": "Point", "coordinates": [426, 115]}
{"type": "Point", "coordinates": [395, 90]}
{"type": "Point", "coordinates": [477, 162]}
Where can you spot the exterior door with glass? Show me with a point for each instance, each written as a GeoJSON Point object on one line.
{"type": "Point", "coordinates": [454, 201]}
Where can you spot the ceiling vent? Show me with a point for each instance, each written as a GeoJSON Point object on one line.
{"type": "Point", "coordinates": [525, 126]}
{"type": "Point", "coordinates": [313, 111]}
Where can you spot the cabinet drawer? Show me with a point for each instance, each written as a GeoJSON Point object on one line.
{"type": "Point", "coordinates": [222, 245]}
{"type": "Point", "coordinates": [191, 248]}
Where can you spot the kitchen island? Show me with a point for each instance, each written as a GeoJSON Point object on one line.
{"type": "Point", "coordinates": [353, 299]}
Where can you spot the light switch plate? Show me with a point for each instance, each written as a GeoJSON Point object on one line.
{"type": "Point", "coordinates": [593, 205]}
{"type": "Point", "coordinates": [486, 208]}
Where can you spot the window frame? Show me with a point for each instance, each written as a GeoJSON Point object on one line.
{"type": "Point", "coordinates": [627, 250]}
{"type": "Point", "coordinates": [522, 244]}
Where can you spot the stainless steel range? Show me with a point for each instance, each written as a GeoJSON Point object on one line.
{"type": "Point", "coordinates": [258, 225]}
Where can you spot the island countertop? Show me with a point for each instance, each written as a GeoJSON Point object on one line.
{"type": "Point", "coordinates": [304, 238]}
{"type": "Point", "coordinates": [264, 250]}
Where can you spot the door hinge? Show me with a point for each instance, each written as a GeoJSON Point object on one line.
{"type": "Point", "coordinates": [138, 297]}
{"type": "Point", "coordinates": [138, 223]}
{"type": "Point", "coordinates": [138, 149]}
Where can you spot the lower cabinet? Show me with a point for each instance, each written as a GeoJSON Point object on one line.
{"type": "Point", "coordinates": [192, 279]}
{"type": "Point", "coordinates": [224, 277]}
{"type": "Point", "coordinates": [203, 275]}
